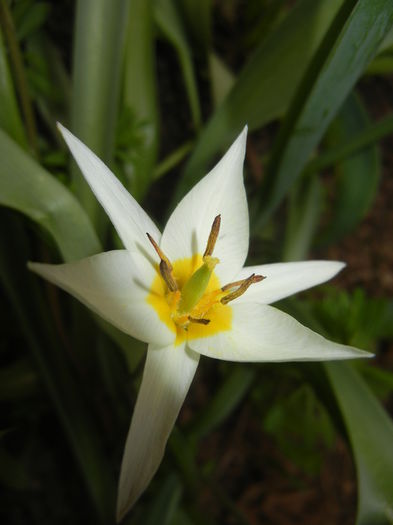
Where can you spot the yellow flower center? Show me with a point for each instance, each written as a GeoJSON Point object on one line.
{"type": "Point", "coordinates": [208, 308]}
{"type": "Point", "coordinates": [187, 295]}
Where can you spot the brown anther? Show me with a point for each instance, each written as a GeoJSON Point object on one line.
{"type": "Point", "coordinates": [242, 286]}
{"type": "Point", "coordinates": [211, 242]}
{"type": "Point", "coordinates": [167, 276]}
{"type": "Point", "coordinates": [160, 253]}
{"type": "Point", "coordinates": [198, 321]}
{"type": "Point", "coordinates": [165, 266]}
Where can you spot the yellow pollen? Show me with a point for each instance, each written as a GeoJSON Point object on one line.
{"type": "Point", "coordinates": [206, 318]}
{"type": "Point", "coordinates": [187, 295]}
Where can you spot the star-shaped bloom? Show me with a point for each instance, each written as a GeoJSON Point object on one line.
{"type": "Point", "coordinates": [186, 292]}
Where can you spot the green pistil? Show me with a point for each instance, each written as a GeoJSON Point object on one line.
{"type": "Point", "coordinates": [192, 292]}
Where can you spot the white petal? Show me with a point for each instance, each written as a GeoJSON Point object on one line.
{"type": "Point", "coordinates": [284, 279]}
{"type": "Point", "coordinates": [166, 379]}
{"type": "Point", "coordinates": [126, 215]}
{"type": "Point", "coordinates": [110, 286]}
{"type": "Point", "coordinates": [220, 192]}
{"type": "Point", "coordinates": [263, 333]}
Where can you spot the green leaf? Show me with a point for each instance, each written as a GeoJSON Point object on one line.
{"type": "Point", "coordinates": [305, 206]}
{"type": "Point", "coordinates": [172, 160]}
{"type": "Point", "coordinates": [139, 95]}
{"type": "Point", "coordinates": [98, 57]}
{"type": "Point", "coordinates": [356, 319]}
{"type": "Point", "coordinates": [267, 83]}
{"type": "Point", "coordinates": [28, 188]}
{"type": "Point", "coordinates": [170, 23]}
{"type": "Point", "coordinates": [79, 426]}
{"type": "Point", "coordinates": [221, 79]}
{"type": "Point", "coordinates": [225, 401]}
{"type": "Point", "coordinates": [10, 119]}
{"type": "Point", "coordinates": [166, 502]}
{"type": "Point", "coordinates": [379, 380]}
{"type": "Point", "coordinates": [370, 432]}
{"type": "Point", "coordinates": [351, 42]}
{"type": "Point", "coordinates": [31, 19]}
{"type": "Point", "coordinates": [301, 427]}
{"type": "Point", "coordinates": [198, 19]}
{"type": "Point", "coordinates": [357, 176]}
{"type": "Point", "coordinates": [367, 136]}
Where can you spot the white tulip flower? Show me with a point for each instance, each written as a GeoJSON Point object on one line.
{"type": "Point", "coordinates": [185, 292]}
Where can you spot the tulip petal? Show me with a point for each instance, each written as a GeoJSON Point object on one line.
{"type": "Point", "coordinates": [109, 285]}
{"type": "Point", "coordinates": [263, 333]}
{"type": "Point", "coordinates": [284, 279]}
{"type": "Point", "coordinates": [220, 192]}
{"type": "Point", "coordinates": [167, 377]}
{"type": "Point", "coordinates": [127, 216]}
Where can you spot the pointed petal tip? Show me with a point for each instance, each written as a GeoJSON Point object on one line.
{"type": "Point", "coordinates": [63, 130]}
{"type": "Point", "coordinates": [242, 137]}
{"type": "Point", "coordinates": [340, 264]}
{"type": "Point", "coordinates": [120, 513]}
{"type": "Point", "coordinates": [354, 353]}
{"type": "Point", "coordinates": [33, 266]}
{"type": "Point", "coordinates": [65, 133]}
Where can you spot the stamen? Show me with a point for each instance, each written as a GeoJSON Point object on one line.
{"type": "Point", "coordinates": [211, 242]}
{"type": "Point", "coordinates": [167, 276]}
{"type": "Point", "coordinates": [242, 287]}
{"type": "Point", "coordinates": [198, 321]}
{"type": "Point", "coordinates": [232, 285]}
{"type": "Point", "coordinates": [159, 251]}
{"type": "Point", "coordinates": [165, 266]}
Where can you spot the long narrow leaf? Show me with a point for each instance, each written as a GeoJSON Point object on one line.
{"type": "Point", "coordinates": [267, 83]}
{"type": "Point", "coordinates": [305, 206]}
{"type": "Point", "coordinates": [352, 41]}
{"type": "Point", "coordinates": [170, 23]}
{"type": "Point", "coordinates": [356, 177]}
{"type": "Point", "coordinates": [64, 392]}
{"type": "Point", "coordinates": [10, 119]}
{"type": "Point", "coordinates": [228, 397]}
{"type": "Point", "coordinates": [28, 188]}
{"type": "Point", "coordinates": [140, 95]}
{"type": "Point", "coordinates": [98, 54]}
{"type": "Point", "coordinates": [371, 434]}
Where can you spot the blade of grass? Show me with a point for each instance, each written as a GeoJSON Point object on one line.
{"type": "Point", "coordinates": [140, 93]}
{"type": "Point", "coordinates": [198, 20]}
{"type": "Point", "coordinates": [17, 66]}
{"type": "Point", "coordinates": [371, 435]}
{"type": "Point", "coordinates": [166, 502]}
{"type": "Point", "coordinates": [225, 401]}
{"type": "Point", "coordinates": [10, 119]}
{"type": "Point", "coordinates": [357, 176]}
{"type": "Point", "coordinates": [266, 84]}
{"type": "Point", "coordinates": [28, 188]}
{"type": "Point", "coordinates": [357, 141]}
{"type": "Point", "coordinates": [98, 54]}
{"type": "Point", "coordinates": [172, 160]}
{"type": "Point", "coordinates": [64, 392]}
{"type": "Point", "coordinates": [221, 78]}
{"type": "Point", "coordinates": [350, 44]}
{"type": "Point", "coordinates": [304, 209]}
{"type": "Point", "coordinates": [170, 23]}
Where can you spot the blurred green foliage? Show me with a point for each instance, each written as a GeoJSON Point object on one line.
{"type": "Point", "coordinates": [146, 84]}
